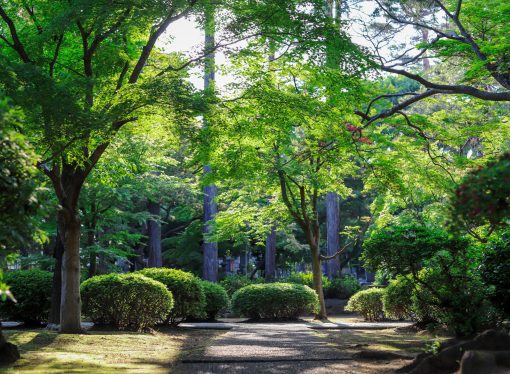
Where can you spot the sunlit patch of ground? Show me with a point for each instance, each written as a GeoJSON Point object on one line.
{"type": "Point", "coordinates": [103, 352]}
{"type": "Point", "coordinates": [390, 340]}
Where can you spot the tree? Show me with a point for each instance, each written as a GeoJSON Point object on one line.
{"type": "Point", "coordinates": [281, 141]}
{"type": "Point", "coordinates": [471, 34]}
{"type": "Point", "coordinates": [210, 249]}
{"type": "Point", "coordinates": [86, 57]}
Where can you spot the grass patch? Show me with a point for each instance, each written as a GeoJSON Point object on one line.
{"type": "Point", "coordinates": [103, 351]}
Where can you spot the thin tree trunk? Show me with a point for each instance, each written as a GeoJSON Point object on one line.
{"type": "Point", "coordinates": [70, 305]}
{"type": "Point", "coordinates": [56, 290]}
{"type": "Point", "coordinates": [210, 249]}
{"type": "Point", "coordinates": [154, 228]}
{"type": "Point", "coordinates": [270, 255]}
{"type": "Point", "coordinates": [333, 238]}
{"type": "Point", "coordinates": [317, 281]}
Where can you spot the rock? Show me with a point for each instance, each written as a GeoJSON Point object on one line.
{"type": "Point", "coordinates": [483, 362]}
{"type": "Point", "coordinates": [9, 353]}
{"type": "Point", "coordinates": [380, 355]}
{"type": "Point", "coordinates": [448, 358]}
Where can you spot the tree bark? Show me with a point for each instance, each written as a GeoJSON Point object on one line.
{"type": "Point", "coordinates": [333, 238]}
{"type": "Point", "coordinates": [70, 305]}
{"type": "Point", "coordinates": [210, 269]}
{"type": "Point", "coordinates": [210, 249]}
{"type": "Point", "coordinates": [56, 290]}
{"type": "Point", "coordinates": [270, 255]}
{"type": "Point", "coordinates": [154, 228]}
{"type": "Point", "coordinates": [317, 281]}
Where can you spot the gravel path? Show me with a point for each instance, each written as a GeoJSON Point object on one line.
{"type": "Point", "coordinates": [272, 348]}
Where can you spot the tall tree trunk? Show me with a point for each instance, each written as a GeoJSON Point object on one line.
{"type": "Point", "coordinates": [425, 39]}
{"type": "Point", "coordinates": [270, 255]}
{"type": "Point", "coordinates": [56, 289]}
{"type": "Point", "coordinates": [333, 238]}
{"type": "Point", "coordinates": [210, 249]}
{"type": "Point", "coordinates": [154, 228]}
{"type": "Point", "coordinates": [70, 305]}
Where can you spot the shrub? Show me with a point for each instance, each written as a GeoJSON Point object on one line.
{"type": "Point", "coordinates": [368, 303]}
{"type": "Point", "coordinates": [125, 300]}
{"type": "Point", "coordinates": [275, 301]}
{"type": "Point", "coordinates": [460, 304]}
{"type": "Point", "coordinates": [232, 283]}
{"type": "Point", "coordinates": [305, 279]}
{"type": "Point", "coordinates": [32, 290]}
{"type": "Point", "coordinates": [189, 298]}
{"type": "Point", "coordinates": [398, 298]}
{"type": "Point", "coordinates": [342, 288]}
{"type": "Point", "coordinates": [495, 271]}
{"type": "Point", "coordinates": [216, 298]}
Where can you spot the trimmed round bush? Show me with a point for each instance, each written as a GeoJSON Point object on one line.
{"type": "Point", "coordinates": [275, 301]}
{"type": "Point", "coordinates": [125, 300]}
{"type": "Point", "coordinates": [216, 298]}
{"type": "Point", "coordinates": [368, 303]}
{"type": "Point", "coordinates": [342, 287]}
{"type": "Point", "coordinates": [32, 291]}
{"type": "Point", "coordinates": [398, 299]}
{"type": "Point", "coordinates": [189, 297]}
{"type": "Point", "coordinates": [234, 282]}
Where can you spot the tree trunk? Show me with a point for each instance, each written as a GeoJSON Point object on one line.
{"type": "Point", "coordinates": [317, 281]}
{"type": "Point", "coordinates": [425, 39]}
{"type": "Point", "coordinates": [56, 290]}
{"type": "Point", "coordinates": [333, 238]}
{"type": "Point", "coordinates": [154, 228]}
{"type": "Point", "coordinates": [210, 250]}
{"type": "Point", "coordinates": [270, 256]}
{"type": "Point", "coordinates": [70, 305]}
{"type": "Point", "coordinates": [210, 269]}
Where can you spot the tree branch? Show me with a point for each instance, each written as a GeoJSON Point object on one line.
{"type": "Point", "coordinates": [16, 43]}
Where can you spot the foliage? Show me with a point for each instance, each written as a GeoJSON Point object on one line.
{"type": "Point", "coordinates": [125, 300]}
{"type": "Point", "coordinates": [234, 282]}
{"type": "Point", "coordinates": [397, 298]}
{"type": "Point", "coordinates": [189, 298]}
{"type": "Point", "coordinates": [305, 279]}
{"type": "Point", "coordinates": [403, 249]}
{"type": "Point", "coordinates": [495, 271]}
{"type": "Point", "coordinates": [368, 303]}
{"type": "Point", "coordinates": [18, 186]}
{"type": "Point", "coordinates": [460, 303]}
{"type": "Point", "coordinates": [216, 298]}
{"type": "Point", "coordinates": [443, 269]}
{"type": "Point", "coordinates": [483, 196]}
{"type": "Point", "coordinates": [32, 291]}
{"type": "Point", "coordinates": [342, 287]}
{"type": "Point", "coordinates": [275, 301]}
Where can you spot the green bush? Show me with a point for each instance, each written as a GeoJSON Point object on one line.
{"type": "Point", "coordinates": [189, 298]}
{"type": "Point", "coordinates": [32, 290]}
{"type": "Point", "coordinates": [342, 287]}
{"type": "Point", "coordinates": [275, 301]}
{"type": "Point", "coordinates": [460, 304]}
{"type": "Point", "coordinates": [398, 299]}
{"type": "Point", "coordinates": [306, 279]}
{"type": "Point", "coordinates": [125, 300]}
{"type": "Point", "coordinates": [216, 298]}
{"type": "Point", "coordinates": [495, 271]}
{"type": "Point", "coordinates": [368, 303]}
{"type": "Point", "coordinates": [232, 283]}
